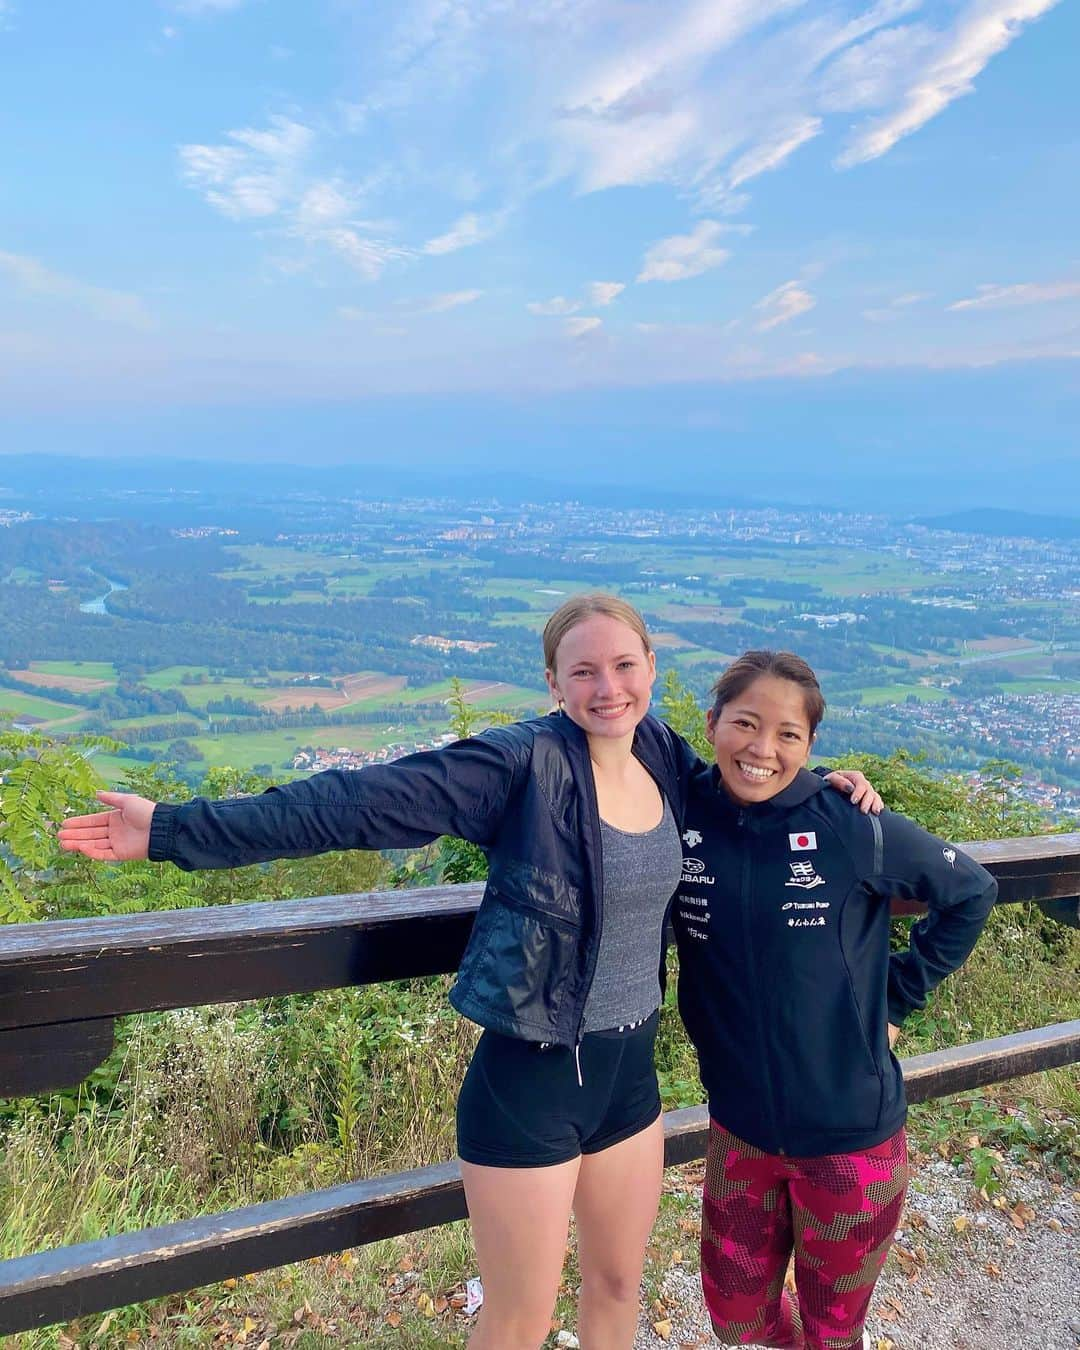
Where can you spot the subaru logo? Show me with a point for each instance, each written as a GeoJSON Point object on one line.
{"type": "Point", "coordinates": [693, 865]}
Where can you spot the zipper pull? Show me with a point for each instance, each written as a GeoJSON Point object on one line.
{"type": "Point", "coordinates": [741, 821]}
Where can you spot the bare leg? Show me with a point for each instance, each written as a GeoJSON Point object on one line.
{"type": "Point", "coordinates": [618, 1192]}
{"type": "Point", "coordinates": [520, 1218]}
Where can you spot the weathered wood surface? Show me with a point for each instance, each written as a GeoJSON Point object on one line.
{"type": "Point", "coordinates": [70, 970]}
{"type": "Point", "coordinates": [46, 1058]}
{"type": "Point", "coordinates": [69, 1282]}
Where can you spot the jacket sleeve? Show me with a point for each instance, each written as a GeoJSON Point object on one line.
{"type": "Point", "coordinates": [916, 865]}
{"type": "Point", "coordinates": [463, 789]}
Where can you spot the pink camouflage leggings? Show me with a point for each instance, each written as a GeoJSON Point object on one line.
{"type": "Point", "coordinates": [837, 1213]}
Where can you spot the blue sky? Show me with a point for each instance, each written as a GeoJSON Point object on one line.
{"type": "Point", "coordinates": [587, 232]}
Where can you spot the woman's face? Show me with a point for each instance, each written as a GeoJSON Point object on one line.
{"type": "Point", "coordinates": [761, 738]}
{"type": "Point", "coordinates": [603, 676]}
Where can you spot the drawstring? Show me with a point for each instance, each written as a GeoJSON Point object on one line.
{"type": "Point", "coordinates": [577, 1061]}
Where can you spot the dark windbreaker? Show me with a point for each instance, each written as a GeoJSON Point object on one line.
{"type": "Point", "coordinates": [524, 793]}
{"type": "Point", "coordinates": [786, 982]}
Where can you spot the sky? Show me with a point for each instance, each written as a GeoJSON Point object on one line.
{"type": "Point", "coordinates": [790, 247]}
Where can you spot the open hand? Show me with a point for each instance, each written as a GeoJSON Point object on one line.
{"type": "Point", "coordinates": [858, 787]}
{"type": "Point", "coordinates": [118, 835]}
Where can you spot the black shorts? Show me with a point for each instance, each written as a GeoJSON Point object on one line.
{"type": "Point", "coordinates": [521, 1104]}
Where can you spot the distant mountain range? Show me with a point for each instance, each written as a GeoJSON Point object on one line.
{"type": "Point", "coordinates": [1001, 523]}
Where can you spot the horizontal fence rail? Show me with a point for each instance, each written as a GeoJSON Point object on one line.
{"type": "Point", "coordinates": [68, 977]}
{"type": "Point", "coordinates": [92, 1277]}
{"type": "Point", "coordinates": [63, 983]}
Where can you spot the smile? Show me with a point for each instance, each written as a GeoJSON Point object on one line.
{"type": "Point", "coordinates": [615, 711]}
{"type": "Point", "coordinates": [752, 771]}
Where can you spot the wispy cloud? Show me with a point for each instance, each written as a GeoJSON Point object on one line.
{"type": "Point", "coordinates": [265, 175]}
{"type": "Point", "coordinates": [578, 327]}
{"type": "Point", "coordinates": [557, 305]}
{"type": "Point", "coordinates": [682, 256]}
{"type": "Point", "coordinates": [944, 69]}
{"type": "Point", "coordinates": [896, 307]}
{"type": "Point", "coordinates": [467, 230]}
{"type": "Point", "coordinates": [1024, 293]}
{"type": "Point", "coordinates": [787, 302]}
{"type": "Point", "coordinates": [34, 277]}
{"type": "Point", "coordinates": [253, 176]}
{"type": "Point", "coordinates": [451, 300]}
{"type": "Point", "coordinates": [603, 292]}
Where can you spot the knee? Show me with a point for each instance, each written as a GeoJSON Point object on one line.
{"type": "Point", "coordinates": [612, 1285]}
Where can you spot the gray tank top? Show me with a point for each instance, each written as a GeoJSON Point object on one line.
{"type": "Point", "coordinates": [641, 872]}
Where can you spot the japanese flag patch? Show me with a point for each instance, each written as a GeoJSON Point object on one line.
{"type": "Point", "coordinates": [802, 841]}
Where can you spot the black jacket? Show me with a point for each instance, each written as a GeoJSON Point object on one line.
{"type": "Point", "coordinates": [524, 793]}
{"type": "Point", "coordinates": [786, 982]}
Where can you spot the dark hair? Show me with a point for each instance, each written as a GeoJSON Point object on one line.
{"type": "Point", "coordinates": [745, 669]}
{"type": "Point", "coordinates": [581, 607]}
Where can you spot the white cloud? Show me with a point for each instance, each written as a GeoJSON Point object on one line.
{"type": "Point", "coordinates": [576, 328]}
{"type": "Point", "coordinates": [263, 175]}
{"type": "Point", "coordinates": [603, 292]}
{"type": "Point", "coordinates": [366, 256]}
{"type": "Point", "coordinates": [467, 230]}
{"type": "Point", "coordinates": [1025, 293]}
{"type": "Point", "coordinates": [892, 311]}
{"type": "Point", "coordinates": [787, 302]}
{"type": "Point", "coordinates": [121, 307]}
{"type": "Point", "coordinates": [682, 256]}
{"type": "Point", "coordinates": [353, 314]}
{"type": "Point", "coordinates": [556, 305]}
{"type": "Point", "coordinates": [772, 151]}
{"type": "Point", "coordinates": [256, 175]}
{"type": "Point", "coordinates": [945, 69]}
{"type": "Point", "coordinates": [452, 300]}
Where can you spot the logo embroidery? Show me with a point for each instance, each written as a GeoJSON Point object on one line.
{"type": "Point", "coordinates": [691, 837]}
{"type": "Point", "coordinates": [802, 841]}
{"type": "Point", "coordinates": [949, 854]}
{"type": "Point", "coordinates": [804, 876]}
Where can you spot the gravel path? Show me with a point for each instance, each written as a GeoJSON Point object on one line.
{"type": "Point", "coordinates": [963, 1274]}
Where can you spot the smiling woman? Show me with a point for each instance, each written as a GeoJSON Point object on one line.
{"type": "Point", "coordinates": [579, 814]}
{"type": "Point", "coordinates": [793, 1000]}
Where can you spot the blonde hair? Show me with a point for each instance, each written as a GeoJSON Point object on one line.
{"type": "Point", "coordinates": [581, 607]}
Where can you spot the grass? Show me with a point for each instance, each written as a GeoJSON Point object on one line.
{"type": "Point", "coordinates": [899, 693]}
{"type": "Point", "coordinates": [88, 670]}
{"type": "Point", "coordinates": [178, 1141]}
{"type": "Point", "coordinates": [14, 701]}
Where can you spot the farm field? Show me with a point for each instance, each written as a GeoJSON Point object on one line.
{"type": "Point", "coordinates": [45, 709]}
{"type": "Point", "coordinates": [899, 693]}
{"type": "Point", "coordinates": [79, 670]}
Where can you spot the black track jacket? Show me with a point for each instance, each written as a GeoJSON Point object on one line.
{"type": "Point", "coordinates": [786, 983]}
{"type": "Point", "coordinates": [524, 793]}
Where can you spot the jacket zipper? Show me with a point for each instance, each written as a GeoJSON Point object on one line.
{"type": "Point", "coordinates": [598, 903]}
{"type": "Point", "coordinates": [746, 880]}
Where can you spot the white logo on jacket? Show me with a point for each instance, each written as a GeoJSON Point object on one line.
{"type": "Point", "coordinates": [804, 876]}
{"type": "Point", "coordinates": [691, 837]}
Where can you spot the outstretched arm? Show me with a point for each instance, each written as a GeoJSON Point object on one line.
{"type": "Point", "coordinates": [462, 790]}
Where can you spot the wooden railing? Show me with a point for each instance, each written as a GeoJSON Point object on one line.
{"type": "Point", "coordinates": [62, 984]}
